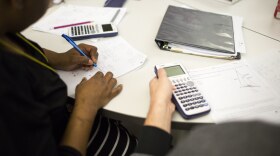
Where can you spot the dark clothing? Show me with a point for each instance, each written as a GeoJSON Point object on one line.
{"type": "Point", "coordinates": [32, 98]}
{"type": "Point", "coordinates": [228, 139]}
{"type": "Point", "coordinates": [33, 113]}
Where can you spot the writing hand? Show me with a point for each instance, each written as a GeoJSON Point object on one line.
{"type": "Point", "coordinates": [72, 59]}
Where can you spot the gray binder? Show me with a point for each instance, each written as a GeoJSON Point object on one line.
{"type": "Point", "coordinates": [198, 29]}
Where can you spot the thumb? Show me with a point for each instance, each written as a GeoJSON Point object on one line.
{"type": "Point", "coordinates": [83, 80]}
{"type": "Point", "coordinates": [82, 60]}
{"type": "Point", "coordinates": [161, 73]}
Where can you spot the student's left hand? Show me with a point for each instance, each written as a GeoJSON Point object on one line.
{"type": "Point", "coordinates": [72, 59]}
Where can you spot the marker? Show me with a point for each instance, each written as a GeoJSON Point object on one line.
{"type": "Point", "coordinates": [76, 47]}
{"type": "Point", "coordinates": [70, 25]}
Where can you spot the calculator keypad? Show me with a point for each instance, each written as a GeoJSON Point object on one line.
{"type": "Point", "coordinates": [188, 96]}
{"type": "Point", "coordinates": [83, 30]}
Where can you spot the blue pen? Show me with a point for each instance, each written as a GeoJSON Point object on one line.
{"type": "Point", "coordinates": [76, 47]}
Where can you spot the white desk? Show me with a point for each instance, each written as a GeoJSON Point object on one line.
{"type": "Point", "coordinates": [139, 27]}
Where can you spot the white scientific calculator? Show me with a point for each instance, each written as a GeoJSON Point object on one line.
{"type": "Point", "coordinates": [92, 30]}
{"type": "Point", "coordinates": [188, 99]}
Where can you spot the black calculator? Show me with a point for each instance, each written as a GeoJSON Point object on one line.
{"type": "Point", "coordinates": [188, 99]}
{"type": "Point", "coordinates": [88, 31]}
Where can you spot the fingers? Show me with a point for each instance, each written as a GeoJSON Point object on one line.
{"type": "Point", "coordinates": [108, 76]}
{"type": "Point", "coordinates": [116, 91]}
{"type": "Point", "coordinates": [111, 83]}
{"type": "Point", "coordinates": [110, 80]}
{"type": "Point", "coordinates": [90, 51]}
{"type": "Point", "coordinates": [82, 60]}
{"type": "Point", "coordinates": [83, 79]}
{"type": "Point", "coordinates": [99, 75]}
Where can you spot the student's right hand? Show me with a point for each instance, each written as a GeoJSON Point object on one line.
{"type": "Point", "coordinates": [95, 93]}
{"type": "Point", "coordinates": [161, 107]}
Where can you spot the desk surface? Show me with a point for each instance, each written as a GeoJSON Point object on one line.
{"type": "Point", "coordinates": [139, 28]}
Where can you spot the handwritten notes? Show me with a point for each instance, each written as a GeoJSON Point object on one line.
{"type": "Point", "coordinates": [115, 55]}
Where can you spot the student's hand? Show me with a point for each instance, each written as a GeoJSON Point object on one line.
{"type": "Point", "coordinates": [161, 107]}
{"type": "Point", "coordinates": [93, 94]}
{"type": "Point", "coordinates": [72, 59]}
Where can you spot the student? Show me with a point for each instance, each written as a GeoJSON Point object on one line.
{"type": "Point", "coordinates": [34, 116]}
{"type": "Point", "coordinates": [228, 139]}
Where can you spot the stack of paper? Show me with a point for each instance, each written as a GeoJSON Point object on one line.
{"type": "Point", "coordinates": [69, 14]}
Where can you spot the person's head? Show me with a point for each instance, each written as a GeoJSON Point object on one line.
{"type": "Point", "coordinates": [16, 15]}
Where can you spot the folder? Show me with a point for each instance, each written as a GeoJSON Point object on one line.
{"type": "Point", "coordinates": [199, 33]}
{"type": "Point", "coordinates": [114, 3]}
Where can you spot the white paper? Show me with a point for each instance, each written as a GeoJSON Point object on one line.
{"type": "Point", "coordinates": [69, 14]}
{"type": "Point", "coordinates": [115, 55]}
{"type": "Point", "coordinates": [236, 92]}
{"type": "Point", "coordinates": [267, 65]}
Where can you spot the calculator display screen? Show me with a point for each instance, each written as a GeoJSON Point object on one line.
{"type": "Point", "coordinates": [174, 71]}
{"type": "Point", "coordinates": [107, 27]}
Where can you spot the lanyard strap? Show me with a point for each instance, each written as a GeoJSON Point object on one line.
{"type": "Point", "coordinates": [22, 53]}
{"type": "Point", "coordinates": [33, 46]}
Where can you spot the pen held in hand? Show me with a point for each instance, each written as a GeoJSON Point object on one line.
{"type": "Point", "coordinates": [76, 47]}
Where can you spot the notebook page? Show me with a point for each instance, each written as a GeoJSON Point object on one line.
{"type": "Point", "coordinates": [236, 92]}
{"type": "Point", "coordinates": [115, 55]}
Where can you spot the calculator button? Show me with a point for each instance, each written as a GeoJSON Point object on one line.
{"type": "Point", "coordinates": [78, 31]}
{"type": "Point", "coordinates": [190, 83]}
{"type": "Point", "coordinates": [75, 31]}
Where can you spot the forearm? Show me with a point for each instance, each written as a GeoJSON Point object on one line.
{"type": "Point", "coordinates": [159, 117]}
{"type": "Point", "coordinates": [54, 58]}
{"type": "Point", "coordinates": [78, 130]}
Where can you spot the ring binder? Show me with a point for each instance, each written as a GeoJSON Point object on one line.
{"type": "Point", "coordinates": [198, 33]}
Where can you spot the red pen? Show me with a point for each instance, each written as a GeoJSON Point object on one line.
{"type": "Point", "coordinates": [70, 25]}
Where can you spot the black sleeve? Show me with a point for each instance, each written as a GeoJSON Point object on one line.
{"type": "Point", "coordinates": [68, 151]}
{"type": "Point", "coordinates": [154, 141]}
{"type": "Point", "coordinates": [231, 139]}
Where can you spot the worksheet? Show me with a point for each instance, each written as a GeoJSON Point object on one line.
{"type": "Point", "coordinates": [115, 55]}
{"type": "Point", "coordinates": [236, 92]}
{"type": "Point", "coordinates": [267, 65]}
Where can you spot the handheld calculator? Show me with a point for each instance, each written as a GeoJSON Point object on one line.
{"type": "Point", "coordinates": [88, 31]}
{"type": "Point", "coordinates": [188, 99]}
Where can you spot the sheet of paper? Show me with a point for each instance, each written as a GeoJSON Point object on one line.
{"type": "Point", "coordinates": [69, 14]}
{"type": "Point", "coordinates": [269, 69]}
{"type": "Point", "coordinates": [115, 55]}
{"type": "Point", "coordinates": [236, 92]}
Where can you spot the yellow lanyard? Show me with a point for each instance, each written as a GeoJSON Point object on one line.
{"type": "Point", "coordinates": [20, 52]}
